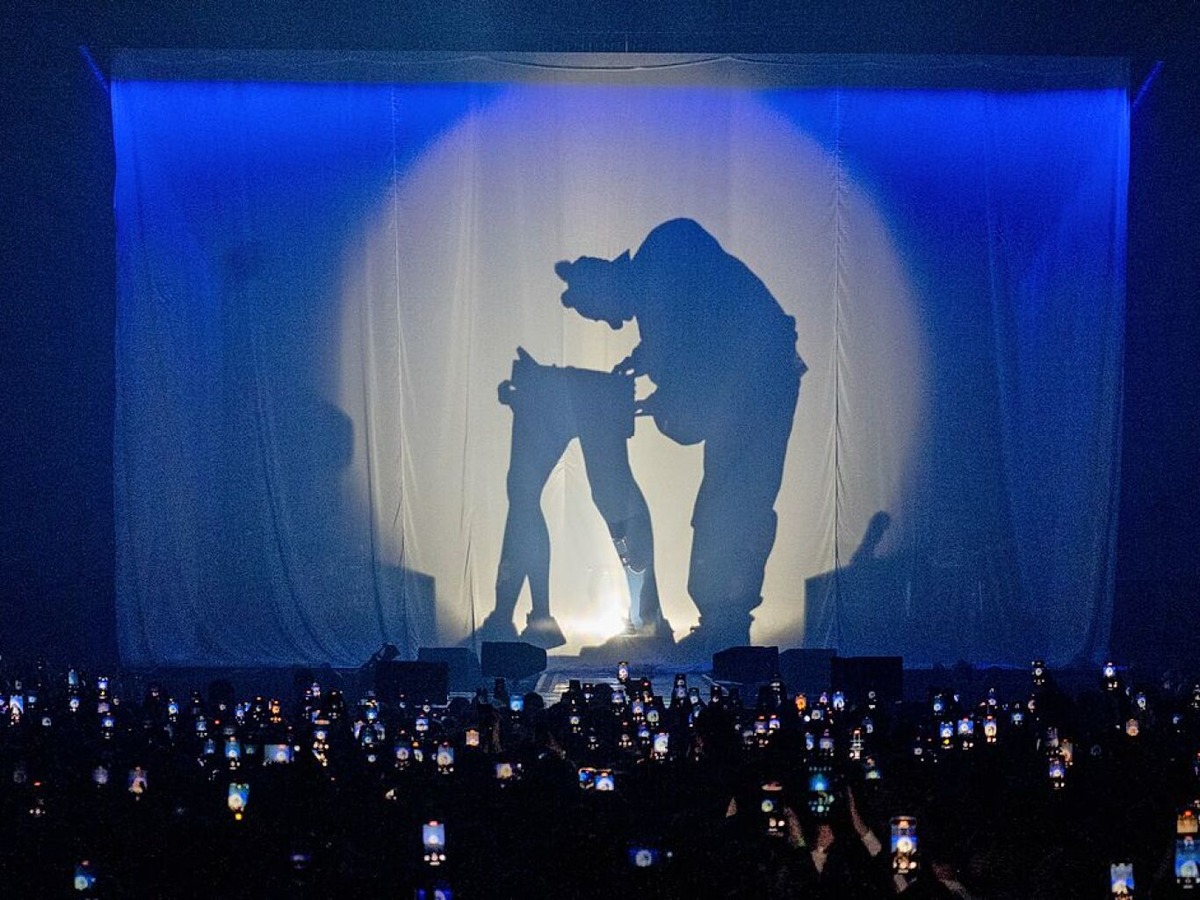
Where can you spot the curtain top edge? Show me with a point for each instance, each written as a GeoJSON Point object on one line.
{"type": "Point", "coordinates": [653, 69]}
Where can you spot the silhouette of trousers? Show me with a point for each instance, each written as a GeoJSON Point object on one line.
{"type": "Point", "coordinates": [734, 519]}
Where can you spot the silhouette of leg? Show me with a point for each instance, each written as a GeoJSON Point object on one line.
{"type": "Point", "coordinates": [537, 445]}
{"type": "Point", "coordinates": [623, 507]}
{"type": "Point", "coordinates": [734, 519]}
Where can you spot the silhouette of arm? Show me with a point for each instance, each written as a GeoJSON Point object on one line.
{"type": "Point", "coordinates": [634, 364]}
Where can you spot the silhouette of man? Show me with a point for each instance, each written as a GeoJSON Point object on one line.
{"type": "Point", "coordinates": [722, 356]}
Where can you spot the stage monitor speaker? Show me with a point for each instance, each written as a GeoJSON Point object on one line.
{"type": "Point", "coordinates": [857, 675]}
{"type": "Point", "coordinates": [511, 659]}
{"type": "Point", "coordinates": [807, 670]}
{"type": "Point", "coordinates": [462, 665]}
{"type": "Point", "coordinates": [746, 665]}
{"type": "Point", "coordinates": [417, 682]}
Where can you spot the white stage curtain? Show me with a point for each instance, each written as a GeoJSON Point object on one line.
{"type": "Point", "coordinates": [327, 265]}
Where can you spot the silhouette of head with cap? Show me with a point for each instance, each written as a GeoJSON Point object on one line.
{"type": "Point", "coordinates": [598, 289]}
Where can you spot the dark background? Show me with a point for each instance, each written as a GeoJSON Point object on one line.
{"type": "Point", "coordinates": [58, 271]}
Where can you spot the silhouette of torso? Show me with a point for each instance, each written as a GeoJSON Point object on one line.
{"type": "Point", "coordinates": [712, 336]}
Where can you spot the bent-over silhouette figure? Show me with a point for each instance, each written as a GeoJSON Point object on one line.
{"type": "Point", "coordinates": [722, 355]}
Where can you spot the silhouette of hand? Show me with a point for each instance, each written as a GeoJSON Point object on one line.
{"type": "Point", "coordinates": [646, 406]}
{"type": "Point", "coordinates": [625, 367]}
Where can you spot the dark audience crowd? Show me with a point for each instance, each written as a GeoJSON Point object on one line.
{"type": "Point", "coordinates": [607, 790]}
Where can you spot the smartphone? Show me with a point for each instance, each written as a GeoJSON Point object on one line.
{"type": "Point", "coordinates": [445, 759]}
{"type": "Point", "coordinates": [277, 754]}
{"type": "Point", "coordinates": [506, 771]}
{"type": "Point", "coordinates": [516, 703]}
{"type": "Point", "coordinates": [647, 855]}
{"type": "Point", "coordinates": [1038, 670]}
{"type": "Point", "coordinates": [237, 798]}
{"type": "Point", "coordinates": [433, 840]}
{"type": "Point", "coordinates": [904, 845]}
{"type": "Point", "coordinates": [403, 754]}
{"type": "Point", "coordinates": [605, 780]}
{"type": "Point", "coordinates": [1187, 861]}
{"type": "Point", "coordinates": [1110, 676]}
{"type": "Point", "coordinates": [1186, 821]}
{"type": "Point", "coordinates": [990, 729]}
{"type": "Point", "coordinates": [1057, 771]}
{"type": "Point", "coordinates": [770, 804]}
{"type": "Point", "coordinates": [587, 778]}
{"type": "Point", "coordinates": [662, 743]}
{"type": "Point", "coordinates": [85, 877]}
{"type": "Point", "coordinates": [1121, 880]}
{"type": "Point", "coordinates": [137, 781]}
{"type": "Point", "coordinates": [825, 744]}
{"type": "Point", "coordinates": [820, 792]}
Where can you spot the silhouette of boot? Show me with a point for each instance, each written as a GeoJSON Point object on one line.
{"type": "Point", "coordinates": [497, 627]}
{"type": "Point", "coordinates": [713, 635]}
{"type": "Point", "coordinates": [542, 631]}
{"type": "Point", "coordinates": [658, 629]}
